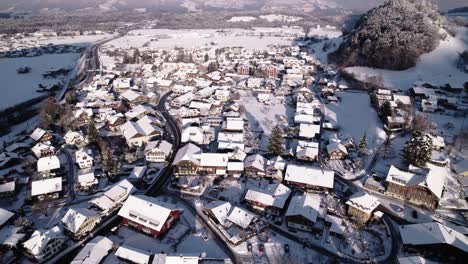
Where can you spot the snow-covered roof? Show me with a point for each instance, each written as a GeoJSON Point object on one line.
{"type": "Point", "coordinates": [94, 251]}
{"type": "Point", "coordinates": [214, 159]}
{"type": "Point", "coordinates": [241, 217]}
{"type": "Point", "coordinates": [234, 123]}
{"type": "Point", "coordinates": [146, 211]}
{"type": "Point", "coordinates": [306, 205]}
{"type": "Point", "coordinates": [220, 210]}
{"type": "Point", "coordinates": [117, 193]}
{"type": "Point", "coordinates": [7, 187]}
{"type": "Point", "coordinates": [10, 236]}
{"type": "Point", "coordinates": [132, 254]}
{"type": "Point", "coordinates": [5, 215]}
{"type": "Point", "coordinates": [433, 233]}
{"type": "Point", "coordinates": [235, 166]}
{"type": "Point", "coordinates": [274, 195]}
{"type": "Point", "coordinates": [403, 178]}
{"type": "Point", "coordinates": [309, 175]}
{"type": "Point", "coordinates": [308, 130]}
{"type": "Point", "coordinates": [415, 260]}
{"type": "Point", "coordinates": [188, 152]}
{"type": "Point", "coordinates": [435, 182]}
{"type": "Point", "coordinates": [37, 134]}
{"type": "Point", "coordinates": [46, 186]}
{"type": "Point", "coordinates": [138, 172]}
{"type": "Point", "coordinates": [40, 239]}
{"type": "Point", "coordinates": [131, 95]}
{"type": "Point", "coordinates": [364, 202]}
{"type": "Point", "coordinates": [87, 179]}
{"type": "Point", "coordinates": [257, 161]}
{"type": "Point", "coordinates": [48, 163]}
{"type": "Point", "coordinates": [336, 224]}
{"type": "Point", "coordinates": [74, 218]}
{"type": "Point", "coordinates": [333, 146]}
{"type": "Point", "coordinates": [176, 259]}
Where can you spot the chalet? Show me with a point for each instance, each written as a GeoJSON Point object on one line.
{"type": "Point", "coordinates": [7, 189]}
{"type": "Point", "coordinates": [134, 98]}
{"type": "Point", "coordinates": [79, 222]}
{"type": "Point", "coordinates": [361, 206]}
{"type": "Point", "coordinates": [158, 151]}
{"type": "Point", "coordinates": [200, 135]}
{"type": "Point", "coordinates": [148, 215]}
{"type": "Point", "coordinates": [137, 174]}
{"type": "Point", "coordinates": [138, 133]}
{"type": "Point", "coordinates": [270, 200]}
{"type": "Point", "coordinates": [275, 168]}
{"type": "Point", "coordinates": [434, 239]}
{"type": "Point", "coordinates": [122, 84]}
{"type": "Point", "coordinates": [235, 168]}
{"type": "Point", "coordinates": [271, 71]}
{"type": "Point", "coordinates": [184, 99]}
{"type": "Point", "coordinates": [336, 151]}
{"type": "Point", "coordinates": [182, 89]}
{"type": "Point", "coordinates": [244, 69]}
{"type": "Point", "coordinates": [214, 163]}
{"type": "Point", "coordinates": [241, 217]}
{"type": "Point", "coordinates": [307, 150]}
{"type": "Point", "coordinates": [46, 188]}
{"type": "Point", "coordinates": [74, 138]}
{"type": "Point", "coordinates": [131, 254]}
{"type": "Point", "coordinates": [309, 178]}
{"type": "Point", "coordinates": [218, 211]}
{"type": "Point", "coordinates": [222, 95]}
{"type": "Point", "coordinates": [421, 188]}
{"type": "Point", "coordinates": [309, 131]}
{"type": "Point", "coordinates": [113, 198]}
{"type": "Point", "coordinates": [41, 135]}
{"type": "Point", "coordinates": [5, 217]}
{"type": "Point", "coordinates": [43, 245]}
{"type": "Point", "coordinates": [86, 182]}
{"type": "Point", "coordinates": [84, 158]}
{"type": "Point", "coordinates": [395, 122]}
{"type": "Point", "coordinates": [48, 166]}
{"type": "Point", "coordinates": [94, 251]}
{"type": "Point", "coordinates": [303, 212]}
{"type": "Point", "coordinates": [230, 140]}
{"type": "Point", "coordinates": [139, 112]}
{"type": "Point", "coordinates": [43, 149]}
{"type": "Point", "coordinates": [114, 122]}
{"type": "Point", "coordinates": [255, 165]}
{"type": "Point", "coordinates": [187, 160]}
{"type": "Point", "coordinates": [233, 124]}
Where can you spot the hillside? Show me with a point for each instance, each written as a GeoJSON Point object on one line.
{"type": "Point", "coordinates": [392, 36]}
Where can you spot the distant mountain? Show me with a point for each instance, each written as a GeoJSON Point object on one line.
{"type": "Point", "coordinates": [392, 36]}
{"type": "Point", "coordinates": [203, 5]}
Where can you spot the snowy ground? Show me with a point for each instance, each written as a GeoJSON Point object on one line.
{"type": "Point", "coordinates": [354, 115]}
{"type": "Point", "coordinates": [317, 49]}
{"type": "Point", "coordinates": [70, 40]}
{"type": "Point", "coordinates": [166, 38]}
{"type": "Point", "coordinates": [241, 19]}
{"type": "Point", "coordinates": [280, 18]}
{"type": "Point", "coordinates": [20, 87]}
{"type": "Point", "coordinates": [437, 67]}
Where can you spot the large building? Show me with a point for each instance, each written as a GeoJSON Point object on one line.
{"type": "Point", "coordinates": [309, 178]}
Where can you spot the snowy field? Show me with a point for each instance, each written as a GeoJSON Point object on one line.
{"type": "Point", "coordinates": [20, 87]}
{"type": "Point", "coordinates": [167, 38]}
{"type": "Point", "coordinates": [241, 19]}
{"type": "Point", "coordinates": [354, 115]}
{"type": "Point", "coordinates": [83, 41]}
{"type": "Point", "coordinates": [281, 18]}
{"type": "Point", "coordinates": [437, 67]}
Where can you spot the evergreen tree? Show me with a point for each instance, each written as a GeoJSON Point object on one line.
{"type": "Point", "coordinates": [275, 144]}
{"type": "Point", "coordinates": [206, 57]}
{"type": "Point", "coordinates": [136, 56]}
{"type": "Point", "coordinates": [93, 133]}
{"type": "Point", "coordinates": [386, 109]}
{"type": "Point", "coordinates": [50, 112]}
{"type": "Point", "coordinates": [418, 149]}
{"type": "Point", "coordinates": [363, 143]}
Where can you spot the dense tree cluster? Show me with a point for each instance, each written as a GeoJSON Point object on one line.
{"type": "Point", "coordinates": [418, 149]}
{"type": "Point", "coordinates": [275, 144]}
{"type": "Point", "coordinates": [392, 36]}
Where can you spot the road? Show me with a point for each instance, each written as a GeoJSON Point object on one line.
{"type": "Point", "coordinates": [71, 174]}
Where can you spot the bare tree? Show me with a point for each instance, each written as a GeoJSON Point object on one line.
{"type": "Point", "coordinates": [422, 122]}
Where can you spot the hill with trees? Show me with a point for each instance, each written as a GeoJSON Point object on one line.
{"type": "Point", "coordinates": [392, 36]}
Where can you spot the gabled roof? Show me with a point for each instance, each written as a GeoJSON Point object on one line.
{"type": "Point", "coordinates": [5, 215]}
{"type": "Point", "coordinates": [364, 202]}
{"type": "Point", "coordinates": [40, 239]}
{"type": "Point", "coordinates": [214, 159]}
{"type": "Point", "coordinates": [37, 134]}
{"type": "Point", "coordinates": [132, 254]}
{"type": "Point", "coordinates": [46, 186]}
{"type": "Point", "coordinates": [274, 195]}
{"type": "Point", "coordinates": [220, 210]}
{"type": "Point", "coordinates": [432, 233]}
{"type": "Point", "coordinates": [241, 217]}
{"type": "Point", "coordinates": [306, 205]}
{"type": "Point", "coordinates": [257, 161]}
{"type": "Point", "coordinates": [48, 163]}
{"type": "Point", "coordinates": [117, 193]}
{"type": "Point", "coordinates": [94, 251]}
{"type": "Point", "coordinates": [74, 218]}
{"type": "Point", "coordinates": [189, 152]}
{"type": "Point", "coordinates": [161, 145]}
{"type": "Point", "coordinates": [310, 176]}
{"type": "Point", "coordinates": [146, 211]}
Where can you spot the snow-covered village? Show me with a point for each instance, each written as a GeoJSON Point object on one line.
{"type": "Point", "coordinates": [266, 137]}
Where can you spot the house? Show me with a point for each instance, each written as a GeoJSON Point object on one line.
{"type": "Point", "coordinates": [303, 212]}
{"type": "Point", "coordinates": [263, 97]}
{"type": "Point", "coordinates": [84, 158]}
{"type": "Point", "coordinates": [74, 138]}
{"type": "Point", "coordinates": [138, 133]}
{"type": "Point", "coordinates": [218, 211]}
{"type": "Point", "coordinates": [309, 178]}
{"type": "Point", "coordinates": [336, 151]}
{"type": "Point", "coordinates": [43, 245]}
{"type": "Point", "coordinates": [137, 173]}
{"type": "Point", "coordinates": [48, 166]}
{"type": "Point", "coordinates": [94, 251]}
{"type": "Point", "coordinates": [233, 124]}
{"type": "Point", "coordinates": [41, 135]}
{"type": "Point", "coordinates": [309, 131]}
{"type": "Point", "coordinates": [222, 95]}
{"type": "Point", "coordinates": [114, 122]}
{"type": "Point", "coordinates": [148, 215]}
{"type": "Point", "coordinates": [361, 206]}
{"type": "Point", "coordinates": [187, 160]}
{"type": "Point", "coordinates": [421, 188]}
{"type": "Point", "coordinates": [335, 223]}
{"type": "Point", "coordinates": [86, 181]}
{"type": "Point", "coordinates": [158, 151]}
{"type": "Point", "coordinates": [43, 149]}
{"type": "Point", "coordinates": [235, 168]}
{"type": "Point", "coordinates": [434, 238]}
{"type": "Point", "coordinates": [255, 165]}
{"type": "Point", "coordinates": [230, 140]}
{"type": "Point", "coordinates": [176, 259]}
{"type": "Point", "coordinates": [113, 198]}
{"type": "Point", "coordinates": [214, 163]}
{"type": "Point", "coordinates": [5, 216]}
{"type": "Point", "coordinates": [134, 98]}
{"type": "Point", "coordinates": [241, 217]}
{"type": "Point", "coordinates": [199, 135]}
{"type": "Point", "coordinates": [46, 188]}
{"type": "Point", "coordinates": [7, 189]}
{"type": "Point", "coordinates": [133, 255]}
{"type": "Point", "coordinates": [275, 167]}
{"type": "Point", "coordinates": [79, 222]}
{"type": "Point", "coordinates": [307, 150]}
{"type": "Point", "coordinates": [182, 100]}
{"type": "Point", "coordinates": [270, 200]}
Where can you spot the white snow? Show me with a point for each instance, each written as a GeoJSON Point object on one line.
{"type": "Point", "coordinates": [280, 18]}
{"type": "Point", "coordinates": [241, 19]}
{"type": "Point", "coordinates": [437, 67]}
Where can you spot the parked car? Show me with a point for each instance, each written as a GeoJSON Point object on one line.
{"type": "Point", "coordinates": [261, 248]}
{"type": "Point", "coordinates": [286, 248]}
{"type": "Point", "coordinates": [249, 247]}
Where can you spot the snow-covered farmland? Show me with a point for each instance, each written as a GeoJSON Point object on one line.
{"type": "Point", "coordinates": [16, 87]}
{"type": "Point", "coordinates": [241, 19]}
{"type": "Point", "coordinates": [83, 41]}
{"type": "Point", "coordinates": [437, 67]}
{"type": "Point", "coordinates": [280, 18]}
{"type": "Point", "coordinates": [258, 38]}
{"type": "Point", "coordinates": [355, 116]}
